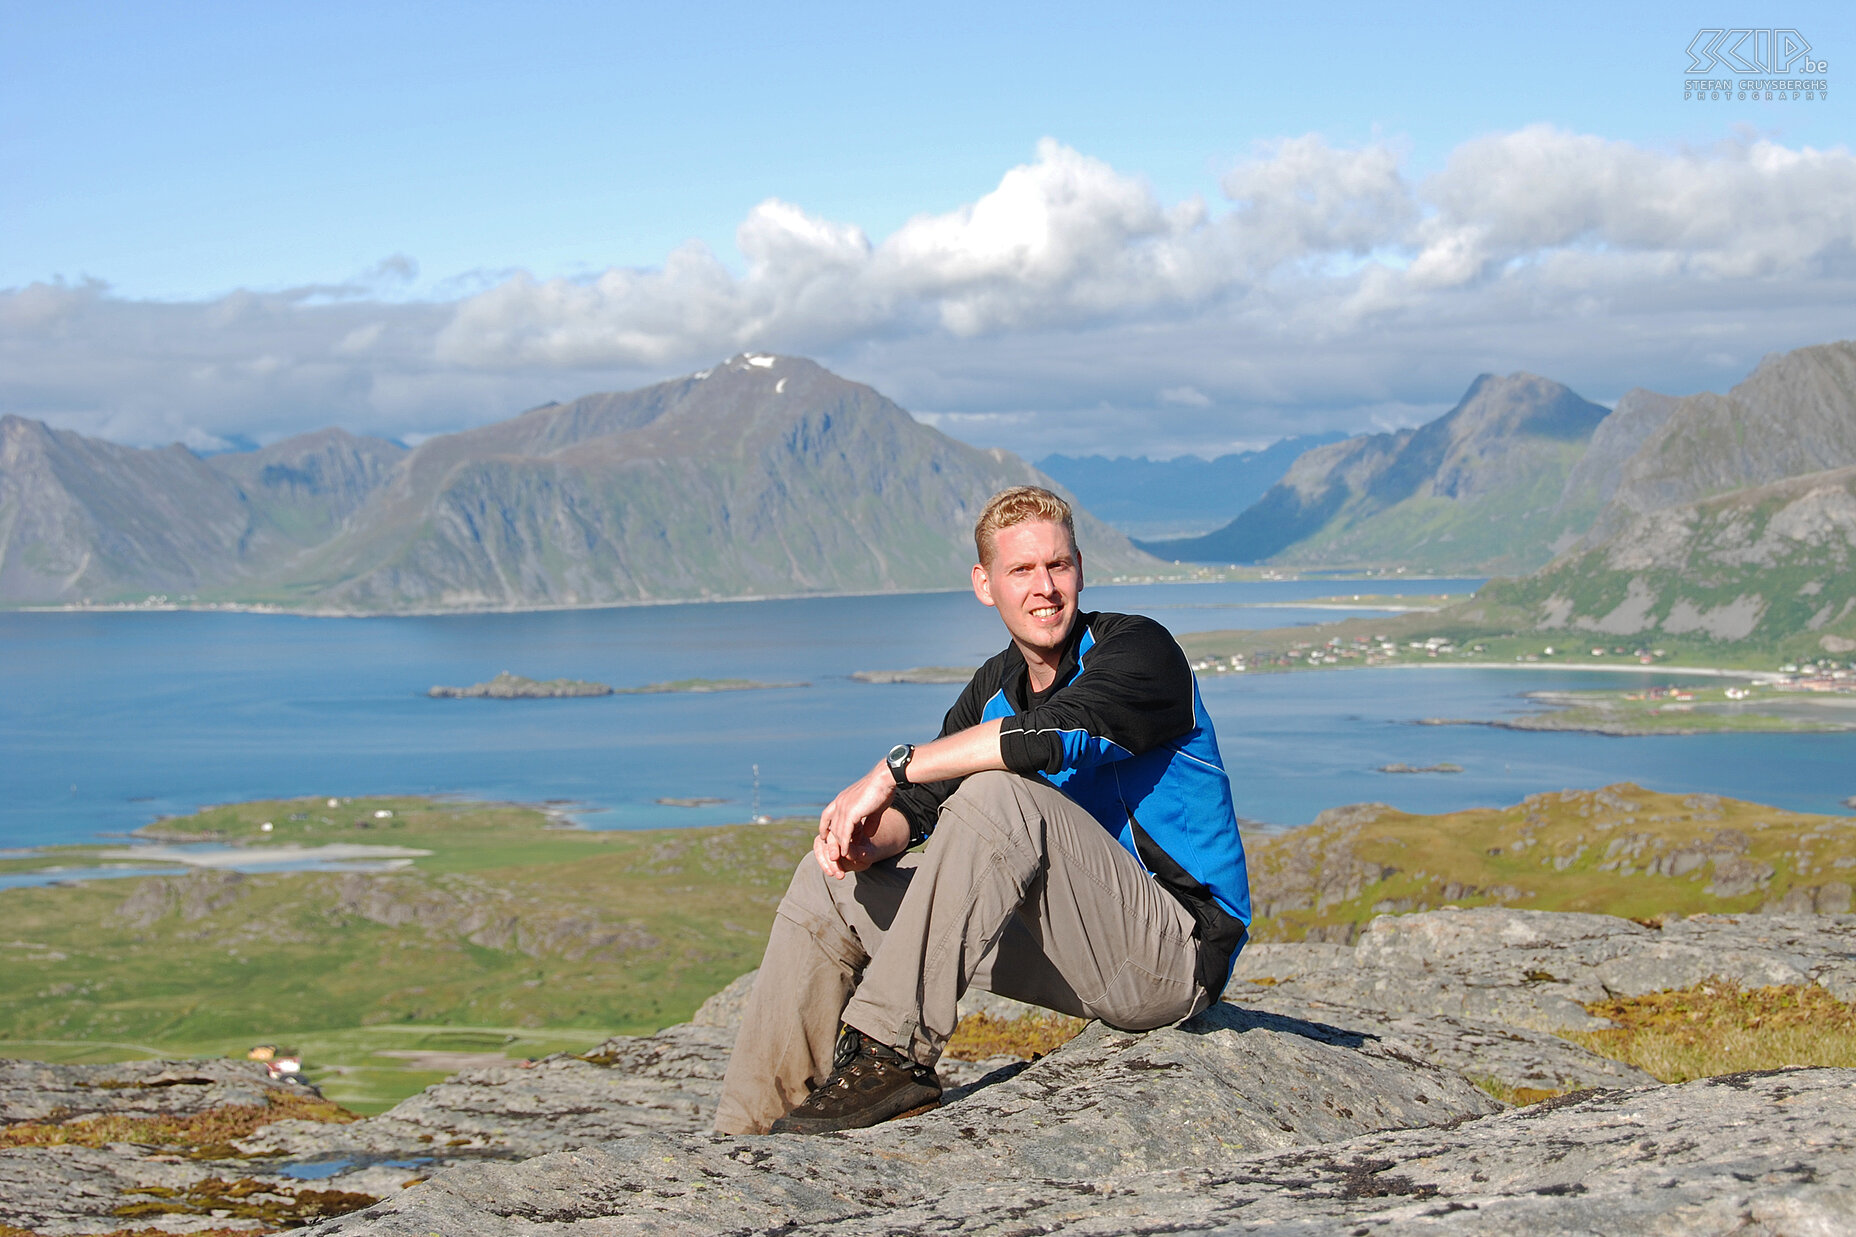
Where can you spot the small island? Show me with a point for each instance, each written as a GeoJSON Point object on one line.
{"type": "Point", "coordinates": [705, 685]}
{"type": "Point", "coordinates": [1399, 766]}
{"type": "Point", "coordinates": [1768, 707]}
{"type": "Point", "coordinates": [917, 674]}
{"type": "Point", "coordinates": [507, 686]}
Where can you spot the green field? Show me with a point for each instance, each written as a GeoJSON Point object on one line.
{"type": "Point", "coordinates": [513, 937]}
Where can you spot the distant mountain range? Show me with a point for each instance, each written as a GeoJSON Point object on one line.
{"type": "Point", "coordinates": [1488, 487]}
{"type": "Point", "coordinates": [1722, 517]}
{"type": "Point", "coordinates": [1735, 519]}
{"type": "Point", "coordinates": [763, 475]}
{"type": "Point", "coordinates": [1179, 497]}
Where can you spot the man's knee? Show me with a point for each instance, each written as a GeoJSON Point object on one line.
{"type": "Point", "coordinates": [993, 790]}
{"type": "Point", "coordinates": [996, 804]}
{"type": "Point", "coordinates": [810, 889]}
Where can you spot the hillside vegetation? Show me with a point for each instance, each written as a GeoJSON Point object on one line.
{"type": "Point", "coordinates": [513, 936]}
{"type": "Point", "coordinates": [1621, 850]}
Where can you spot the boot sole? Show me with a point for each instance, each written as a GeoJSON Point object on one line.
{"type": "Point", "coordinates": [917, 1111]}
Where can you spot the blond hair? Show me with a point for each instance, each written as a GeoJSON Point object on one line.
{"type": "Point", "coordinates": [1017, 505]}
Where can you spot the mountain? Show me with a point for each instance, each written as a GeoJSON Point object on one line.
{"type": "Point", "coordinates": [1735, 519]}
{"type": "Point", "coordinates": [84, 518]}
{"type": "Point", "coordinates": [763, 475]}
{"type": "Point", "coordinates": [1483, 488]}
{"type": "Point", "coordinates": [1794, 414]}
{"type": "Point", "coordinates": [80, 517]}
{"type": "Point", "coordinates": [1638, 416]}
{"type": "Point", "coordinates": [1765, 563]}
{"type": "Point", "coordinates": [303, 488]}
{"type": "Point", "coordinates": [1179, 497]}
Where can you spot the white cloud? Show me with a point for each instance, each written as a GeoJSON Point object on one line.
{"type": "Point", "coordinates": [1069, 306]}
{"type": "Point", "coordinates": [1742, 210]}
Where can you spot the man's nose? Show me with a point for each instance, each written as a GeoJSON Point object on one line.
{"type": "Point", "coordinates": [1044, 582]}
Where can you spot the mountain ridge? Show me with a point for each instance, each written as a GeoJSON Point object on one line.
{"type": "Point", "coordinates": [1478, 488]}
{"type": "Point", "coordinates": [760, 476]}
{"type": "Point", "coordinates": [1734, 519]}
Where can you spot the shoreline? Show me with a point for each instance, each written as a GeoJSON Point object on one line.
{"type": "Point", "coordinates": [1342, 606]}
{"type": "Point", "coordinates": [1712, 672]}
{"type": "Point", "coordinates": [264, 607]}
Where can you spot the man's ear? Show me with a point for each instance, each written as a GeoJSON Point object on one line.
{"type": "Point", "coordinates": [982, 584]}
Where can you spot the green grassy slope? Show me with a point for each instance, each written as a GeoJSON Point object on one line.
{"type": "Point", "coordinates": [1622, 850]}
{"type": "Point", "coordinates": [520, 937]}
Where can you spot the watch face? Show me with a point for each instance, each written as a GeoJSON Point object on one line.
{"type": "Point", "coordinates": [899, 753]}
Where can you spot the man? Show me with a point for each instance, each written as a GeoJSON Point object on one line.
{"type": "Point", "coordinates": [1082, 855]}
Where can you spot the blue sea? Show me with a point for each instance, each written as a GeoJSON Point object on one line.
{"type": "Point", "coordinates": [111, 720]}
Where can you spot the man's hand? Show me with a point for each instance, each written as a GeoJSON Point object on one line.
{"type": "Point", "coordinates": [859, 828]}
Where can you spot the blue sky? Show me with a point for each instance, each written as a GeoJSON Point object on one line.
{"type": "Point", "coordinates": [367, 175]}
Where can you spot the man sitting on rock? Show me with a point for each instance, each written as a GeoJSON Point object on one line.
{"type": "Point", "coordinates": [1082, 854]}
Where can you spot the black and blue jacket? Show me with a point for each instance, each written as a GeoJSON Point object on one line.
{"type": "Point", "coordinates": [1122, 732]}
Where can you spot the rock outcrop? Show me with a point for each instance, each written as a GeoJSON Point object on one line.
{"type": "Point", "coordinates": [1331, 1091]}
{"type": "Point", "coordinates": [1768, 1153]}
{"type": "Point", "coordinates": [1535, 969]}
{"type": "Point", "coordinates": [38, 1091]}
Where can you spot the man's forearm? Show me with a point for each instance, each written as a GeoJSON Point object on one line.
{"type": "Point", "coordinates": [973, 750]}
{"type": "Point", "coordinates": [860, 826]}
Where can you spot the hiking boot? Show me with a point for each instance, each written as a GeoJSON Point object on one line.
{"type": "Point", "coordinates": [869, 1083]}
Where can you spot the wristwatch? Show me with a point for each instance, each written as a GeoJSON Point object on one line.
{"type": "Point", "coordinates": [898, 762]}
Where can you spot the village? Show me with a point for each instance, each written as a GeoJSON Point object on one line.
{"type": "Point", "coordinates": [1821, 676]}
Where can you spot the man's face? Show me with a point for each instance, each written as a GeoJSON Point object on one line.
{"type": "Point", "coordinates": [1033, 581]}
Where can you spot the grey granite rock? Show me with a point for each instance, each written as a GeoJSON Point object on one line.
{"type": "Point", "coordinates": [1229, 1079]}
{"type": "Point", "coordinates": [1513, 1057]}
{"type": "Point", "coordinates": [38, 1090]}
{"type": "Point", "coordinates": [666, 1082]}
{"type": "Point", "coordinates": [1271, 1110]}
{"type": "Point", "coordinates": [1226, 1083]}
{"type": "Point", "coordinates": [59, 1190]}
{"type": "Point", "coordinates": [1535, 969]}
{"type": "Point", "coordinates": [1764, 1153]}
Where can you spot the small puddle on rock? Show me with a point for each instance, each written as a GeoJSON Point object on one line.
{"type": "Point", "coordinates": [322, 1170]}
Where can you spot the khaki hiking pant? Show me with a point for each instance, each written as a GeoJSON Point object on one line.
{"type": "Point", "coordinates": [1019, 892]}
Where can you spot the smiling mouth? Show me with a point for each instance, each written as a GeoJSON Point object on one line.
{"type": "Point", "coordinates": [1046, 611]}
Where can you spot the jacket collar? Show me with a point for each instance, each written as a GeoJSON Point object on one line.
{"type": "Point", "coordinates": [1018, 674]}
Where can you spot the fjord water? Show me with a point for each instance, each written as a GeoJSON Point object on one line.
{"type": "Point", "coordinates": [109, 720]}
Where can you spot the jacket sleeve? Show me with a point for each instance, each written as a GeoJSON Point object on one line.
{"type": "Point", "coordinates": [1133, 693]}
{"type": "Point", "coordinates": [920, 802]}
